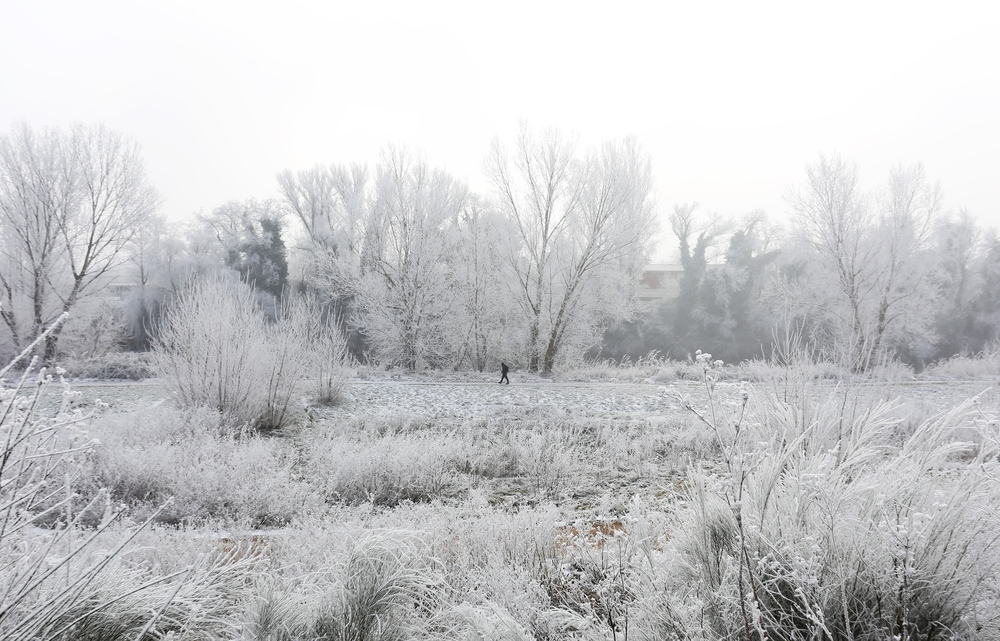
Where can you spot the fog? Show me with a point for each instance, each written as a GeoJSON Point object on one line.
{"type": "Point", "coordinates": [737, 268]}
{"type": "Point", "coordinates": [731, 101]}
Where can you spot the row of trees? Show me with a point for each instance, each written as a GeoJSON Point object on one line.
{"type": "Point", "coordinates": [859, 275]}
{"type": "Point", "coordinates": [436, 276]}
{"type": "Point", "coordinates": [420, 272]}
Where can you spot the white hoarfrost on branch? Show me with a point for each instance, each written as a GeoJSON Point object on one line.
{"type": "Point", "coordinates": [584, 223]}
{"type": "Point", "coordinates": [70, 203]}
{"type": "Point", "coordinates": [867, 288]}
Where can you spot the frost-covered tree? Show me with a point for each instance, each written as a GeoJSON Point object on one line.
{"type": "Point", "coordinates": [330, 203]}
{"type": "Point", "coordinates": [583, 223]}
{"type": "Point", "coordinates": [160, 266]}
{"type": "Point", "coordinates": [986, 306]}
{"type": "Point", "coordinates": [958, 252]}
{"type": "Point", "coordinates": [490, 328]}
{"type": "Point", "coordinates": [867, 287]}
{"type": "Point", "coordinates": [406, 293]}
{"type": "Point", "coordinates": [728, 316]}
{"type": "Point", "coordinates": [70, 202]}
{"type": "Point", "coordinates": [696, 236]}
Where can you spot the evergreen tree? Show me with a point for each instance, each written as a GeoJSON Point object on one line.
{"type": "Point", "coordinates": [249, 236]}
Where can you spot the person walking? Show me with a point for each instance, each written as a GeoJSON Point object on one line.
{"type": "Point", "coordinates": [503, 373]}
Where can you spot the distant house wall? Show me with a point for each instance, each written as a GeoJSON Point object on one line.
{"type": "Point", "coordinates": [660, 282]}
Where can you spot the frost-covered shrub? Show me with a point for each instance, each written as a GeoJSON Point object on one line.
{"type": "Point", "coordinates": [216, 349]}
{"type": "Point", "coordinates": [158, 452]}
{"type": "Point", "coordinates": [545, 459]}
{"type": "Point", "coordinates": [824, 525]}
{"type": "Point", "coordinates": [328, 358]}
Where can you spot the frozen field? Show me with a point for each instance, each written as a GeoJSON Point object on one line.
{"type": "Point", "coordinates": [580, 446]}
{"type": "Point", "coordinates": [490, 400]}
{"type": "Point", "coordinates": [480, 400]}
{"type": "Point", "coordinates": [538, 510]}
{"type": "Point", "coordinates": [483, 399]}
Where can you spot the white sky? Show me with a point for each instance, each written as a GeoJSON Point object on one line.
{"type": "Point", "coordinates": [731, 99]}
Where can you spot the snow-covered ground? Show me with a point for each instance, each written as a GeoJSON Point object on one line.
{"type": "Point", "coordinates": [471, 400]}
{"type": "Point", "coordinates": [486, 400]}
{"type": "Point", "coordinates": [543, 504]}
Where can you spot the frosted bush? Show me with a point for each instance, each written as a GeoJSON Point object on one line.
{"type": "Point", "coordinates": [216, 349]}
{"type": "Point", "coordinates": [327, 355]}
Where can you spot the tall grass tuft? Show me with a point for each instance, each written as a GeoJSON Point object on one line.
{"type": "Point", "coordinates": [821, 527]}
{"type": "Point", "coordinates": [388, 589]}
{"type": "Point", "coordinates": [276, 615]}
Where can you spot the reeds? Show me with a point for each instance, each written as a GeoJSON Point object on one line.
{"type": "Point", "coordinates": [823, 525]}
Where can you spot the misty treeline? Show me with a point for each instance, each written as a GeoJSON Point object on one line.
{"type": "Point", "coordinates": [540, 270]}
{"type": "Point", "coordinates": [858, 276]}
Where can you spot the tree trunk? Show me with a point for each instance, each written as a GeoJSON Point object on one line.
{"type": "Point", "coordinates": [8, 318]}
{"type": "Point", "coordinates": [533, 362]}
{"type": "Point", "coordinates": [52, 340]}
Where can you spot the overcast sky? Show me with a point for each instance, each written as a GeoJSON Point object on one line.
{"type": "Point", "coordinates": [731, 100]}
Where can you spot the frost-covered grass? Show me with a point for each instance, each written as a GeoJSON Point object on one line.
{"type": "Point", "coordinates": [131, 366]}
{"type": "Point", "coordinates": [210, 472]}
{"type": "Point", "coordinates": [828, 521]}
{"type": "Point", "coordinates": [982, 366]}
{"type": "Point", "coordinates": [66, 570]}
{"type": "Point", "coordinates": [511, 458]}
{"type": "Point", "coordinates": [656, 369]}
{"type": "Point", "coordinates": [456, 508]}
{"type": "Point", "coordinates": [651, 368]}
